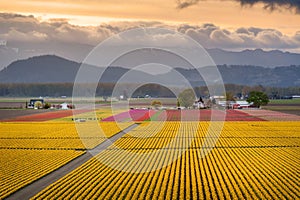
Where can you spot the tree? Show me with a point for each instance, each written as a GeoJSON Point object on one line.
{"type": "Point", "coordinates": [178, 103]}
{"type": "Point", "coordinates": [229, 96]}
{"type": "Point", "coordinates": [258, 98]}
{"type": "Point", "coordinates": [47, 105]}
{"type": "Point", "coordinates": [186, 98]}
{"type": "Point", "coordinates": [156, 104]}
{"type": "Point", "coordinates": [38, 104]}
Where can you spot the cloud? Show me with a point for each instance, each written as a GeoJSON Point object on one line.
{"type": "Point", "coordinates": [268, 4]}
{"type": "Point", "coordinates": [28, 30]}
{"type": "Point", "coordinates": [27, 36]}
{"type": "Point", "coordinates": [56, 36]}
{"type": "Point", "coordinates": [212, 36]}
{"type": "Point", "coordinates": [185, 3]}
{"type": "Point", "coordinates": [21, 28]}
{"type": "Point", "coordinates": [297, 36]}
{"type": "Point", "coordinates": [275, 4]}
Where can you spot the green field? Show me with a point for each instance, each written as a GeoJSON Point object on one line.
{"type": "Point", "coordinates": [285, 101]}
{"type": "Point", "coordinates": [290, 106]}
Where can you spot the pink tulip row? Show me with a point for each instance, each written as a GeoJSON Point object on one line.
{"type": "Point", "coordinates": [272, 115]}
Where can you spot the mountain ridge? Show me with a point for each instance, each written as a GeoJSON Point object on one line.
{"type": "Point", "coordinates": [55, 69]}
{"type": "Point", "coordinates": [257, 57]}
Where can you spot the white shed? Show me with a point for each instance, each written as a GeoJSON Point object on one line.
{"type": "Point", "coordinates": [64, 106]}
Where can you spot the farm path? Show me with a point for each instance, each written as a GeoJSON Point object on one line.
{"type": "Point", "coordinates": [32, 189]}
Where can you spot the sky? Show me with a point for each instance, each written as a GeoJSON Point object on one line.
{"type": "Point", "coordinates": [30, 27]}
{"type": "Point", "coordinates": [230, 14]}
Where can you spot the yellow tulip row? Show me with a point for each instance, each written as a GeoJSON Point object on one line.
{"type": "Point", "coordinates": [20, 167]}
{"type": "Point", "coordinates": [156, 143]}
{"type": "Point", "coordinates": [175, 134]}
{"type": "Point", "coordinates": [47, 143]}
{"type": "Point", "coordinates": [225, 173]}
{"type": "Point", "coordinates": [98, 114]}
{"type": "Point", "coordinates": [262, 169]}
{"type": "Point", "coordinates": [28, 151]}
{"type": "Point", "coordinates": [57, 135]}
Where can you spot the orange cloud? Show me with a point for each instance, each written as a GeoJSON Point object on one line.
{"type": "Point", "coordinates": [230, 14]}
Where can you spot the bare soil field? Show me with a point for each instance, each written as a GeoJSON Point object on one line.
{"type": "Point", "coordinates": [284, 108]}
{"type": "Point", "coordinates": [12, 104]}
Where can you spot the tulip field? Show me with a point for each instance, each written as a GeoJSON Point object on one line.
{"type": "Point", "coordinates": [182, 115]}
{"type": "Point", "coordinates": [253, 160]}
{"type": "Point", "coordinates": [30, 150]}
{"type": "Point", "coordinates": [247, 156]}
{"type": "Point", "coordinates": [20, 167]}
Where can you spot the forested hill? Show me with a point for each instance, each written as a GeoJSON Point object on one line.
{"type": "Point", "coordinates": [54, 69]}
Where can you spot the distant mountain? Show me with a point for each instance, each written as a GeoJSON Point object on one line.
{"type": "Point", "coordinates": [250, 75]}
{"type": "Point", "coordinates": [40, 69]}
{"type": "Point", "coordinates": [254, 75]}
{"type": "Point", "coordinates": [257, 57]}
{"type": "Point", "coordinates": [54, 69]}
{"type": "Point", "coordinates": [23, 50]}
{"type": "Point", "coordinates": [77, 53]}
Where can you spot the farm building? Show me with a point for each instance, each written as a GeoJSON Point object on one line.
{"type": "Point", "coordinates": [243, 104]}
{"type": "Point", "coordinates": [235, 104]}
{"type": "Point", "coordinates": [33, 101]}
{"type": "Point", "coordinates": [199, 104]}
{"type": "Point", "coordinates": [64, 106]}
{"type": "Point", "coordinates": [296, 97]}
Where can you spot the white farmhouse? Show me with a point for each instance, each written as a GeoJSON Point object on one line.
{"type": "Point", "coordinates": [64, 106]}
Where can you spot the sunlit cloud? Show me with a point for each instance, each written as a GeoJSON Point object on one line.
{"type": "Point", "coordinates": [20, 28]}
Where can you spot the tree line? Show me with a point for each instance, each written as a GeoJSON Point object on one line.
{"type": "Point", "coordinates": [153, 90]}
